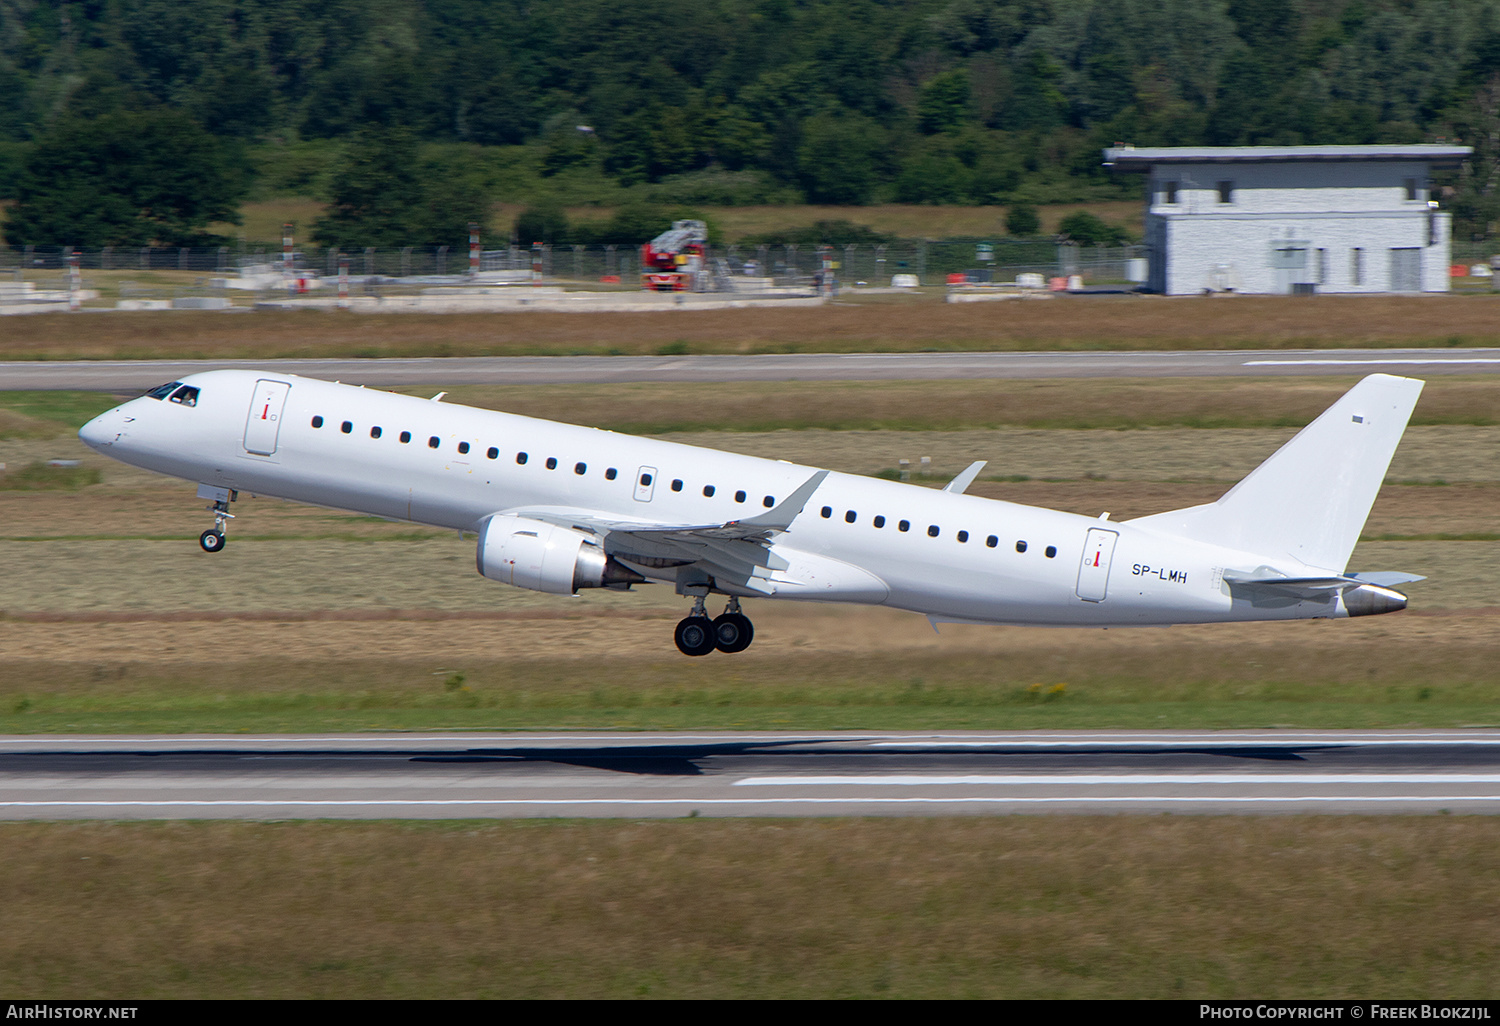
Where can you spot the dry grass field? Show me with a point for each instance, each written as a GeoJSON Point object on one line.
{"type": "Point", "coordinates": [913, 323]}
{"type": "Point", "coordinates": [1012, 907]}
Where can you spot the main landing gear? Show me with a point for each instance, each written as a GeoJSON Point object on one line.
{"type": "Point", "coordinates": [213, 540]}
{"type": "Point", "coordinates": [697, 635]}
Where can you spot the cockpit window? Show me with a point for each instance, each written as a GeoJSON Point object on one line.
{"type": "Point", "coordinates": [187, 395]}
{"type": "Point", "coordinates": [162, 391]}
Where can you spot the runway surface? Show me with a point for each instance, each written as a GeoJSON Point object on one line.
{"type": "Point", "coordinates": [130, 375]}
{"type": "Point", "coordinates": [436, 776]}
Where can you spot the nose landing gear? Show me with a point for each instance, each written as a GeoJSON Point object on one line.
{"type": "Point", "coordinates": [697, 635]}
{"type": "Point", "coordinates": [214, 540]}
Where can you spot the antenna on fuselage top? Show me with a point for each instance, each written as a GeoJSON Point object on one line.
{"type": "Point", "coordinates": [438, 398]}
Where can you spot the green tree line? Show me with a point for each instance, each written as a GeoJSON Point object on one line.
{"type": "Point", "coordinates": [828, 101]}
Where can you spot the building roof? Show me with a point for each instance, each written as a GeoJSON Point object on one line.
{"type": "Point", "coordinates": [1129, 158]}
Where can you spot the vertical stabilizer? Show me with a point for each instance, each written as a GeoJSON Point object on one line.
{"type": "Point", "coordinates": [1309, 501]}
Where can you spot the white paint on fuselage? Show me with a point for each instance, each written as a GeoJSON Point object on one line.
{"type": "Point", "coordinates": [1154, 579]}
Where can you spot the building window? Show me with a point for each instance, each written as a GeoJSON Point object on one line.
{"type": "Point", "coordinates": [1322, 267]}
{"type": "Point", "coordinates": [374, 432]}
{"type": "Point", "coordinates": [1226, 192]}
{"type": "Point", "coordinates": [317, 422]}
{"type": "Point", "coordinates": [1411, 188]}
{"type": "Point", "coordinates": [1357, 266]}
{"type": "Point", "coordinates": [1169, 192]}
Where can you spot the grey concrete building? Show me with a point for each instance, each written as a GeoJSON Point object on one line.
{"type": "Point", "coordinates": [1279, 219]}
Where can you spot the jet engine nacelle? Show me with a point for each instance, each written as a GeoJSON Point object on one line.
{"type": "Point", "coordinates": [542, 557]}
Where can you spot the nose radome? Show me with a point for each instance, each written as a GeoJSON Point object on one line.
{"type": "Point", "coordinates": [102, 431]}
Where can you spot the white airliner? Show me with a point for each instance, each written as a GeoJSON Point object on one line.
{"type": "Point", "coordinates": [558, 508]}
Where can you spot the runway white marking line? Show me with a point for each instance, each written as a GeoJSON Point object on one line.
{"type": "Point", "coordinates": [1280, 741]}
{"type": "Point", "coordinates": [1114, 779]}
{"type": "Point", "coordinates": [1369, 363]}
{"type": "Point", "coordinates": [704, 802]}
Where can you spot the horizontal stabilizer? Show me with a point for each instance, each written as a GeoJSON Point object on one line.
{"type": "Point", "coordinates": [1309, 501]}
{"type": "Point", "coordinates": [1267, 580]}
{"type": "Point", "coordinates": [1386, 578]}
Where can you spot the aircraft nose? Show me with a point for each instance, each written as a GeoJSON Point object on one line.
{"type": "Point", "coordinates": [103, 431]}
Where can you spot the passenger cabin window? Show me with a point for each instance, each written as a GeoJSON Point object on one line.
{"type": "Point", "coordinates": [374, 432]}
{"type": "Point", "coordinates": [708, 491]}
{"type": "Point", "coordinates": [580, 469]}
{"type": "Point", "coordinates": [768, 501]}
{"type": "Point", "coordinates": [739, 496]}
{"type": "Point", "coordinates": [850, 517]}
{"type": "Point", "coordinates": [432, 443]}
{"type": "Point", "coordinates": [879, 521]}
{"type": "Point", "coordinates": [463, 447]}
{"type": "Point", "coordinates": [1051, 552]}
{"type": "Point", "coordinates": [1020, 546]}
{"type": "Point", "coordinates": [645, 480]}
{"type": "Point", "coordinates": [317, 422]}
{"type": "Point", "coordinates": [405, 437]}
{"type": "Point", "coordinates": [992, 541]}
{"type": "Point", "coordinates": [963, 536]}
{"type": "Point", "coordinates": [493, 453]}
{"type": "Point", "coordinates": [611, 474]}
{"type": "Point", "coordinates": [827, 512]}
{"type": "Point", "coordinates": [905, 525]}
{"type": "Point", "coordinates": [932, 530]}
{"type": "Point", "coordinates": [347, 426]}
{"type": "Point", "coordinates": [521, 458]}
{"type": "Point", "coordinates": [677, 484]}
{"type": "Point", "coordinates": [551, 462]}
{"type": "Point", "coordinates": [162, 391]}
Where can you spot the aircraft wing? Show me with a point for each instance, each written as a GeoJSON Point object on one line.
{"type": "Point", "coordinates": [736, 545]}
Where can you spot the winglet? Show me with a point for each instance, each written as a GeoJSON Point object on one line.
{"type": "Point", "coordinates": [961, 483]}
{"type": "Point", "coordinates": [780, 517]}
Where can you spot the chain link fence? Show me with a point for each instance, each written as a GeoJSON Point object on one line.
{"type": "Point", "coordinates": [226, 270]}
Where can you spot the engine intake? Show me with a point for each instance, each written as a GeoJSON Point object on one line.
{"type": "Point", "coordinates": [544, 557]}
